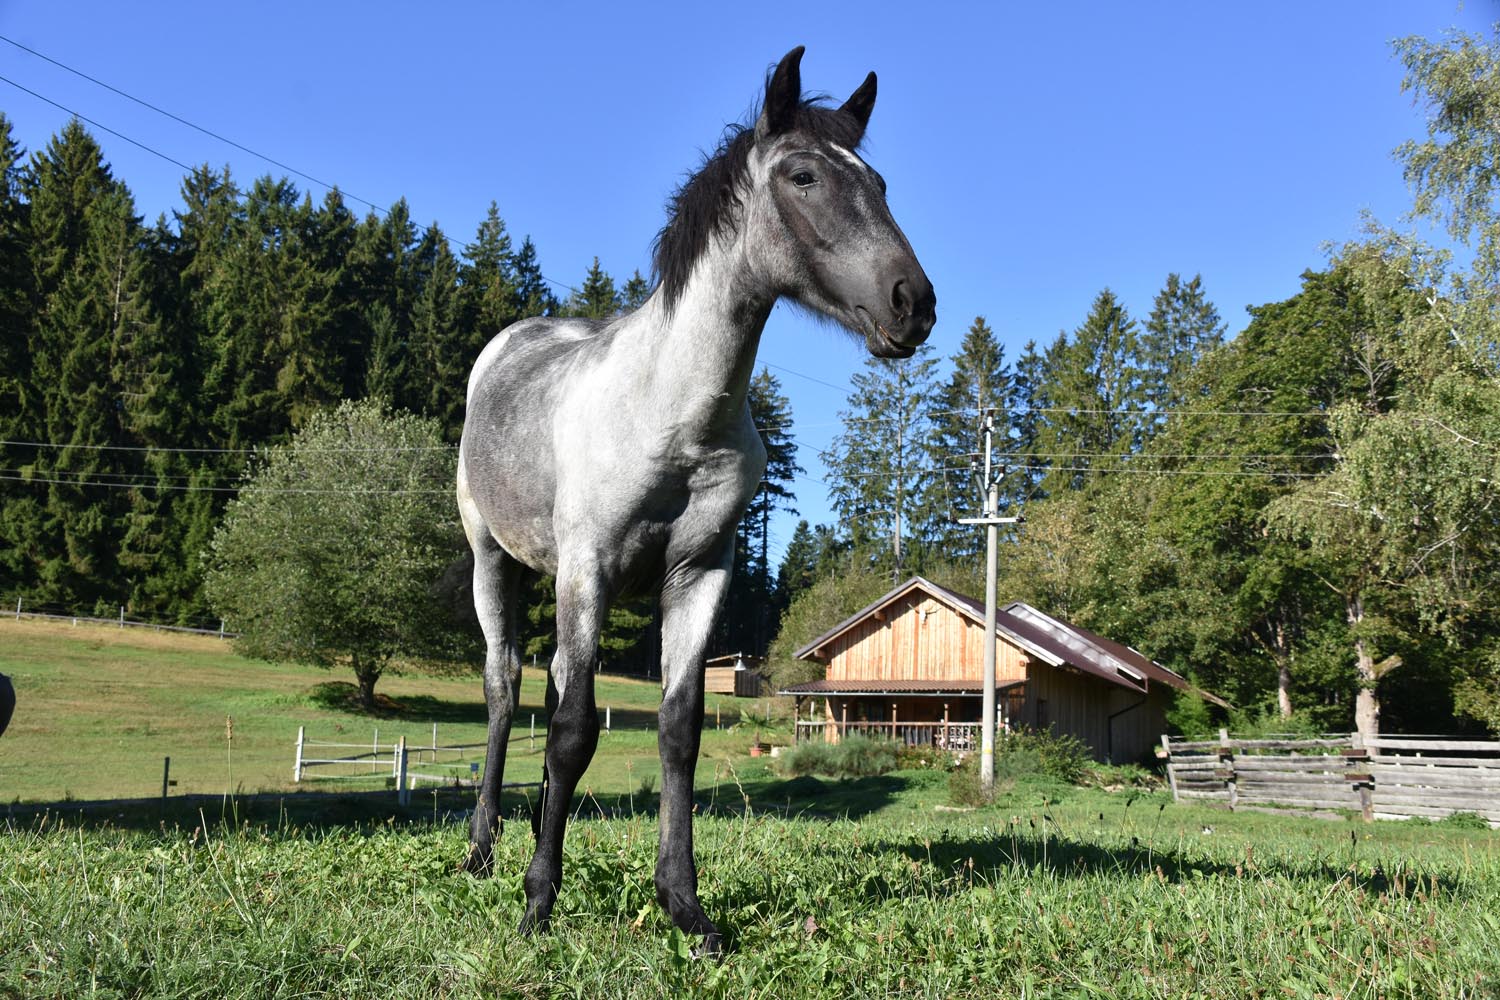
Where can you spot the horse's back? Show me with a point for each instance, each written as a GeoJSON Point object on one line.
{"type": "Point", "coordinates": [526, 349]}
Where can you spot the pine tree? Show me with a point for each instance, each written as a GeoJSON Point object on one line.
{"type": "Point", "coordinates": [83, 233]}
{"type": "Point", "coordinates": [532, 288]}
{"type": "Point", "coordinates": [596, 298]}
{"type": "Point", "coordinates": [1183, 326]}
{"type": "Point", "coordinates": [812, 554]}
{"type": "Point", "coordinates": [386, 377]}
{"type": "Point", "coordinates": [887, 494]}
{"type": "Point", "coordinates": [1092, 387]}
{"type": "Point", "coordinates": [490, 298]}
{"type": "Point", "coordinates": [438, 341]}
{"type": "Point", "coordinates": [754, 602]}
{"type": "Point", "coordinates": [635, 293]}
{"type": "Point", "coordinates": [254, 339]}
{"type": "Point", "coordinates": [19, 420]}
{"type": "Point", "coordinates": [1022, 482]}
{"type": "Point", "coordinates": [981, 383]}
{"type": "Point", "coordinates": [385, 281]}
{"type": "Point", "coordinates": [15, 293]}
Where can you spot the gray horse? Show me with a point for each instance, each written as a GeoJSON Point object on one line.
{"type": "Point", "coordinates": [618, 456]}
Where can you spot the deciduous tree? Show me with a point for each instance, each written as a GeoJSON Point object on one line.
{"type": "Point", "coordinates": [331, 551]}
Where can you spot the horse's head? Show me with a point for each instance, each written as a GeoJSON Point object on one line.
{"type": "Point", "coordinates": [829, 241]}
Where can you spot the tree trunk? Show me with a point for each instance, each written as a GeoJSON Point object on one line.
{"type": "Point", "coordinates": [1283, 671]}
{"type": "Point", "coordinates": [1284, 688]}
{"type": "Point", "coordinates": [366, 675]}
{"type": "Point", "coordinates": [1366, 703]}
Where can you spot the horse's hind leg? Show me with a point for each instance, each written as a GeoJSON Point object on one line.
{"type": "Point", "coordinates": [497, 579]}
{"type": "Point", "coordinates": [572, 730]}
{"type": "Point", "coordinates": [690, 603]}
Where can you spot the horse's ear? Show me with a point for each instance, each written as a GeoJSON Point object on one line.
{"type": "Point", "coordinates": [862, 102]}
{"type": "Point", "coordinates": [783, 95]}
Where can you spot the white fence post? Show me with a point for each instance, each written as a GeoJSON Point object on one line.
{"type": "Point", "coordinates": [297, 768]}
{"type": "Point", "coordinates": [606, 718]}
{"type": "Point", "coordinates": [18, 609]}
{"type": "Point", "coordinates": [122, 616]}
{"type": "Point", "coordinates": [533, 732]}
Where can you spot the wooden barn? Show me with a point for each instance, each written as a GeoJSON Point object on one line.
{"type": "Point", "coordinates": [911, 666]}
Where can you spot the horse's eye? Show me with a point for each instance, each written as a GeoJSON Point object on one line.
{"type": "Point", "coordinates": [804, 178]}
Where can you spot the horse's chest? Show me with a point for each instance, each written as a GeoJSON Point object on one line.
{"type": "Point", "coordinates": [651, 515]}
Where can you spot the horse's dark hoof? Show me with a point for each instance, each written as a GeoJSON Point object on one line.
{"type": "Point", "coordinates": [712, 947]}
{"type": "Point", "coordinates": [533, 922]}
{"type": "Point", "coordinates": [479, 862]}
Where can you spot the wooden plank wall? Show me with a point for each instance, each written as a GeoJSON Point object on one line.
{"type": "Point", "coordinates": [1384, 778]}
{"type": "Point", "coordinates": [719, 680]}
{"type": "Point", "coordinates": [727, 680]}
{"type": "Point", "coordinates": [920, 639]}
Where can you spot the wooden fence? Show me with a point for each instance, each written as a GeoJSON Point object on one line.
{"type": "Point", "coordinates": [1381, 778]}
{"type": "Point", "coordinates": [957, 736]}
{"type": "Point", "coordinates": [407, 763]}
{"type": "Point", "coordinates": [49, 613]}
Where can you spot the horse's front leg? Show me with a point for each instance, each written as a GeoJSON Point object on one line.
{"type": "Point", "coordinates": [497, 580]}
{"type": "Point", "coordinates": [572, 730]}
{"type": "Point", "coordinates": [690, 603]}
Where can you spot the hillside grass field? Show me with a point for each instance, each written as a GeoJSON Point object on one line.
{"type": "Point", "coordinates": [868, 887]}
{"type": "Point", "coordinates": [99, 707]}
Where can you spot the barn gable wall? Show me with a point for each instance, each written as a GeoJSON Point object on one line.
{"type": "Point", "coordinates": [919, 639]}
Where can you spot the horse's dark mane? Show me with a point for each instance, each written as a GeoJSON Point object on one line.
{"type": "Point", "coordinates": [705, 204]}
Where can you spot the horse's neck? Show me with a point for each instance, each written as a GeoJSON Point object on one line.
{"type": "Point", "coordinates": [702, 355]}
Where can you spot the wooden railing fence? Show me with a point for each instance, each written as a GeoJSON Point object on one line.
{"type": "Point", "coordinates": [957, 736]}
{"type": "Point", "coordinates": [1380, 778]}
{"type": "Point", "coordinates": [456, 764]}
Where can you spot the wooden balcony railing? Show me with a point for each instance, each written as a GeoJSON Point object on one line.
{"type": "Point", "coordinates": [957, 736]}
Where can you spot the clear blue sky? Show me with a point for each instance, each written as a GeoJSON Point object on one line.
{"type": "Point", "coordinates": [1036, 153]}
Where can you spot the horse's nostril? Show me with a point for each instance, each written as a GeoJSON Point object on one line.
{"type": "Point", "coordinates": [901, 299]}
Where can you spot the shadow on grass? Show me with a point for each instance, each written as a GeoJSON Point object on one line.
{"type": "Point", "coordinates": [341, 696]}
{"type": "Point", "coordinates": [812, 797]}
{"type": "Point", "coordinates": [265, 811]}
{"type": "Point", "coordinates": [1032, 847]}
{"type": "Point", "coordinates": [804, 797]}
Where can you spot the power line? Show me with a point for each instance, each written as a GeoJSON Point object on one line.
{"type": "Point", "coordinates": [261, 449]}
{"type": "Point", "coordinates": [426, 230]}
{"type": "Point", "coordinates": [97, 125]}
{"type": "Point", "coordinates": [11, 475]}
{"type": "Point", "coordinates": [182, 121]}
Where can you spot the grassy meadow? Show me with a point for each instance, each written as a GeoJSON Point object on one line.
{"type": "Point", "coordinates": [98, 708]}
{"type": "Point", "coordinates": [867, 887]}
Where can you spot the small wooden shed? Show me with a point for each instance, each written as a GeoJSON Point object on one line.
{"type": "Point", "coordinates": [911, 666]}
{"type": "Point", "coordinates": [738, 674]}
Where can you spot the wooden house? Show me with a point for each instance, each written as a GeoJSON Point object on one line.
{"type": "Point", "coordinates": [911, 666]}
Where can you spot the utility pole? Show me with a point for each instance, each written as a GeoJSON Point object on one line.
{"type": "Point", "coordinates": [991, 520]}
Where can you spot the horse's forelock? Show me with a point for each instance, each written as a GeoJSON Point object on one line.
{"type": "Point", "coordinates": [706, 203]}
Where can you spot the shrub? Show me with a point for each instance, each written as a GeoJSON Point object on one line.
{"type": "Point", "coordinates": [855, 757]}
{"type": "Point", "coordinates": [1022, 756]}
{"type": "Point", "coordinates": [1032, 752]}
{"type": "Point", "coordinates": [1465, 821]}
{"type": "Point", "coordinates": [963, 784]}
{"type": "Point", "coordinates": [924, 758]}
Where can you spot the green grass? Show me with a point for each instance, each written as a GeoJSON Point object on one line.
{"type": "Point", "coordinates": [1093, 895]}
{"type": "Point", "coordinates": [98, 708]}
{"type": "Point", "coordinates": [861, 887]}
